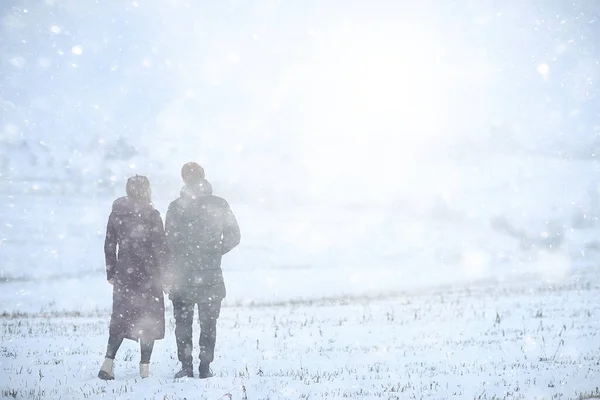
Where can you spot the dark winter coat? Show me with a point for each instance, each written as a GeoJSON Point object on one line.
{"type": "Point", "coordinates": [200, 229]}
{"type": "Point", "coordinates": [135, 254]}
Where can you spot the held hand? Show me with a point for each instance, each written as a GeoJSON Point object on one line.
{"type": "Point", "coordinates": [111, 281]}
{"type": "Point", "coordinates": [167, 289]}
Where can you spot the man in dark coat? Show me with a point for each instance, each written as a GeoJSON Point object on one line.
{"type": "Point", "coordinates": [200, 229]}
{"type": "Point", "coordinates": [135, 250]}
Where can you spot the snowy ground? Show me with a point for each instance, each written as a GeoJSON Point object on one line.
{"type": "Point", "coordinates": [518, 339]}
{"type": "Point", "coordinates": [424, 296]}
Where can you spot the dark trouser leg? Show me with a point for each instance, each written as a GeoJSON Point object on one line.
{"type": "Point", "coordinates": [114, 342]}
{"type": "Point", "coordinates": [184, 317]}
{"type": "Point", "coordinates": [208, 338]}
{"type": "Point", "coordinates": [208, 315]}
{"type": "Point", "coordinates": [146, 347]}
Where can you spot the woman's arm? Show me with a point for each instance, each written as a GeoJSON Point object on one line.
{"type": "Point", "coordinates": [110, 249]}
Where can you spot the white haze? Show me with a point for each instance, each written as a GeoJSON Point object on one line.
{"type": "Point", "coordinates": [425, 128]}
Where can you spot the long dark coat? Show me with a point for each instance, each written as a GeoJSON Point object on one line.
{"type": "Point", "coordinates": [200, 229]}
{"type": "Point", "coordinates": [135, 254]}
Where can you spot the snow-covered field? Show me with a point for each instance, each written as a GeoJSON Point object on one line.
{"type": "Point", "coordinates": [518, 339]}
{"type": "Point", "coordinates": [489, 291]}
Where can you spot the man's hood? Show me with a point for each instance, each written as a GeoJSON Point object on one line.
{"type": "Point", "coordinates": [200, 189]}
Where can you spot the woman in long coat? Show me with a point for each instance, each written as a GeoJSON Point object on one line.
{"type": "Point", "coordinates": [135, 252]}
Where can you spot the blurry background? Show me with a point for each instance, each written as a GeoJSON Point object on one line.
{"type": "Point", "coordinates": [368, 144]}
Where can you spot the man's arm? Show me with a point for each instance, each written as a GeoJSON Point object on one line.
{"type": "Point", "coordinates": [159, 246]}
{"type": "Point", "coordinates": [231, 231]}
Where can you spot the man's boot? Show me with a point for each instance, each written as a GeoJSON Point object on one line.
{"type": "Point", "coordinates": [204, 371]}
{"type": "Point", "coordinates": [187, 371]}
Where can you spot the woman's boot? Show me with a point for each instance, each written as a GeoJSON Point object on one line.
{"type": "Point", "coordinates": [107, 370]}
{"type": "Point", "coordinates": [144, 370]}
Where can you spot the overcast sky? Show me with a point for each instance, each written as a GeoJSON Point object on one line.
{"type": "Point", "coordinates": [310, 88]}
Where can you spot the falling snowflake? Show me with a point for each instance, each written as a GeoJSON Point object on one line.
{"type": "Point", "coordinates": [77, 50]}
{"type": "Point", "coordinates": [543, 69]}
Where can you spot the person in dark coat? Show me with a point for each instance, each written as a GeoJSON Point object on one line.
{"type": "Point", "coordinates": [200, 229]}
{"type": "Point", "coordinates": [134, 249]}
